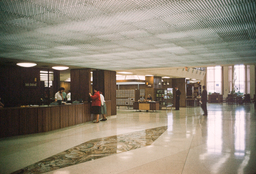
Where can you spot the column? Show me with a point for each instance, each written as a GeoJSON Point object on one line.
{"type": "Point", "coordinates": [105, 81]}
{"type": "Point", "coordinates": [80, 84]}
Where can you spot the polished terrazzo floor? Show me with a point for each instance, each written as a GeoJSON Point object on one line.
{"type": "Point", "coordinates": [162, 142]}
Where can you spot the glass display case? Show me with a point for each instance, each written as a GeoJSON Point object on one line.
{"type": "Point", "coordinates": [164, 96]}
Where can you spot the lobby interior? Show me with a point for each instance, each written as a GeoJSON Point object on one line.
{"type": "Point", "coordinates": [142, 38]}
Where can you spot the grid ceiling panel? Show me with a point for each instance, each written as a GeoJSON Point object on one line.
{"type": "Point", "coordinates": [149, 33]}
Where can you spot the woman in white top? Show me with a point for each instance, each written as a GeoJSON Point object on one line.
{"type": "Point", "coordinates": [103, 107]}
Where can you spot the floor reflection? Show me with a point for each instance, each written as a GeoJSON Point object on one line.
{"type": "Point", "coordinates": [226, 132]}
{"type": "Point", "coordinates": [95, 149]}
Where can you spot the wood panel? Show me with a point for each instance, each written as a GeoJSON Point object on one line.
{"type": "Point", "coordinates": [87, 113]}
{"type": "Point", "coordinates": [154, 106]}
{"type": "Point", "coordinates": [157, 82]}
{"type": "Point", "coordinates": [98, 81]}
{"type": "Point", "coordinates": [113, 92]}
{"type": "Point", "coordinates": [22, 121]}
{"type": "Point", "coordinates": [79, 113]}
{"type": "Point", "coordinates": [55, 118]}
{"type": "Point", "coordinates": [144, 106]}
{"type": "Point", "coordinates": [56, 82]}
{"type": "Point", "coordinates": [80, 84]}
{"type": "Point", "coordinates": [181, 84]}
{"type": "Point", "coordinates": [84, 83]}
{"type": "Point", "coordinates": [28, 121]}
{"type": "Point", "coordinates": [11, 122]}
{"type": "Point", "coordinates": [136, 105]}
{"type": "Point", "coordinates": [64, 114]}
{"type": "Point", "coordinates": [44, 119]}
{"type": "Point", "coordinates": [14, 78]}
{"type": "Point", "coordinates": [74, 84]}
{"type": "Point", "coordinates": [71, 115]}
{"type": "Point", "coordinates": [14, 83]}
{"type": "Point", "coordinates": [3, 122]}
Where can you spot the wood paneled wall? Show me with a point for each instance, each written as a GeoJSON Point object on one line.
{"type": "Point", "coordinates": [80, 84]}
{"type": "Point", "coordinates": [65, 85]}
{"type": "Point", "coordinates": [149, 89]}
{"type": "Point", "coordinates": [13, 90]}
{"type": "Point", "coordinates": [181, 84]}
{"type": "Point", "coordinates": [157, 82]}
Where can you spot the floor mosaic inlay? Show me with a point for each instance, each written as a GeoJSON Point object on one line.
{"type": "Point", "coordinates": [96, 148]}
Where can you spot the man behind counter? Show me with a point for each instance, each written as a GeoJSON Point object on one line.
{"type": "Point", "coordinates": [58, 96]}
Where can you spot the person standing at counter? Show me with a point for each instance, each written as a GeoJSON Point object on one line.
{"type": "Point", "coordinates": [204, 101]}
{"type": "Point", "coordinates": [103, 107]}
{"type": "Point", "coordinates": [178, 93]}
{"type": "Point", "coordinates": [69, 97]}
{"type": "Point", "coordinates": [58, 96]}
{"type": "Point", "coordinates": [96, 104]}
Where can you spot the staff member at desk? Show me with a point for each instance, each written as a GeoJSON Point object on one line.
{"type": "Point", "coordinates": [149, 98]}
{"type": "Point", "coordinates": [58, 96]}
{"type": "Point", "coordinates": [142, 98]}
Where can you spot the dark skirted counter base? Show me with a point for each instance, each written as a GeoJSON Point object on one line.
{"type": "Point", "coordinates": [29, 120]}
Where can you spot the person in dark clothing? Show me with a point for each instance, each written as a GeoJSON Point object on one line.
{"type": "Point", "coordinates": [149, 98]}
{"type": "Point", "coordinates": [178, 93]}
{"type": "Point", "coordinates": [204, 101]}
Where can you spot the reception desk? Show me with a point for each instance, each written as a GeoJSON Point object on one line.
{"type": "Point", "coordinates": [146, 106]}
{"type": "Point", "coordinates": [29, 120]}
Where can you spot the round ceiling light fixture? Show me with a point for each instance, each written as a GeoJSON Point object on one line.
{"type": "Point", "coordinates": [26, 64]}
{"type": "Point", "coordinates": [124, 72]}
{"type": "Point", "coordinates": [60, 67]}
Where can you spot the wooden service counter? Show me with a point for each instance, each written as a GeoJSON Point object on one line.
{"type": "Point", "coordinates": [29, 120]}
{"type": "Point", "coordinates": [146, 106]}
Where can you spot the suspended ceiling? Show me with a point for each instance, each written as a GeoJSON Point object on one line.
{"type": "Point", "coordinates": [124, 35]}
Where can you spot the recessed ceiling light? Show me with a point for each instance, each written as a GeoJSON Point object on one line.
{"type": "Point", "coordinates": [60, 67]}
{"type": "Point", "coordinates": [26, 64]}
{"type": "Point", "coordinates": [125, 72]}
{"type": "Point", "coordinates": [165, 77]}
{"type": "Point", "coordinates": [149, 75]}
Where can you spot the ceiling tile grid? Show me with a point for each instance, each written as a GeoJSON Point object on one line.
{"type": "Point", "coordinates": [129, 34]}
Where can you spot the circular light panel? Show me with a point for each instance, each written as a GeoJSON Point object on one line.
{"type": "Point", "coordinates": [60, 67]}
{"type": "Point", "coordinates": [26, 64]}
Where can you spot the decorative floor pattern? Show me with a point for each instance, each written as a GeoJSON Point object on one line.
{"type": "Point", "coordinates": [95, 149]}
